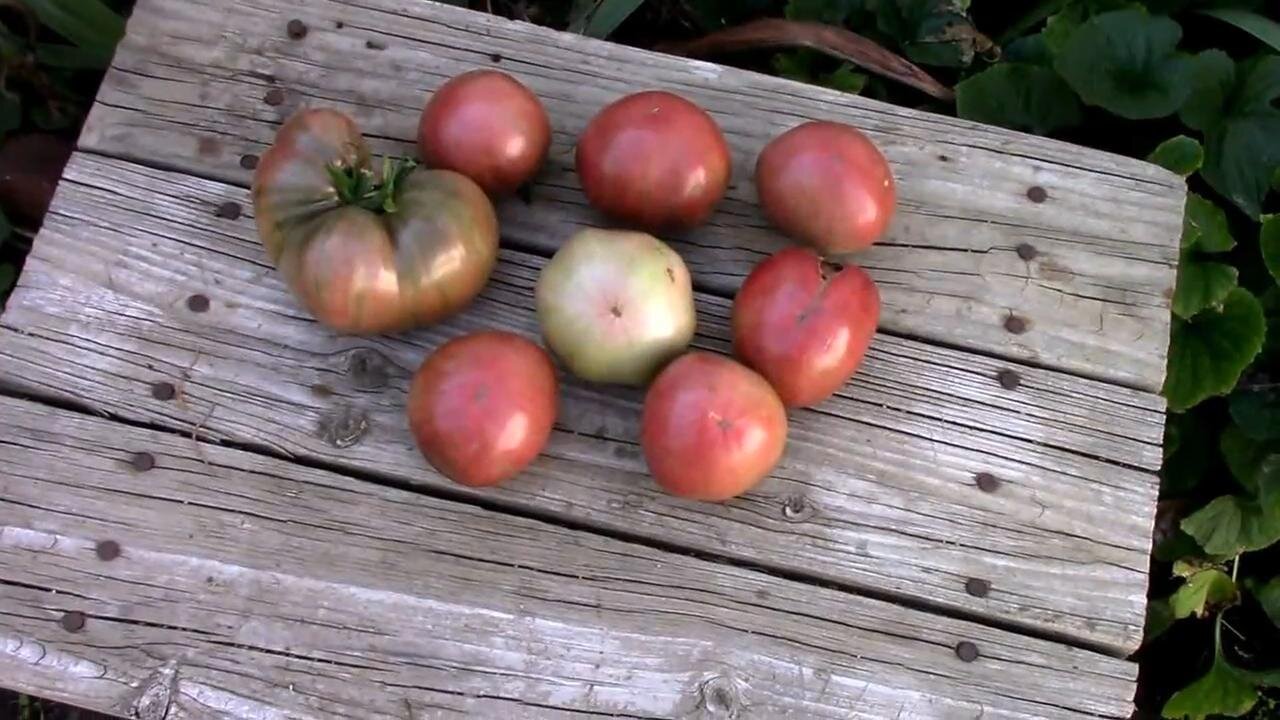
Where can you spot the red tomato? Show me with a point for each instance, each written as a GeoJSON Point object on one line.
{"type": "Point", "coordinates": [481, 406]}
{"type": "Point", "coordinates": [711, 428]}
{"type": "Point", "coordinates": [804, 324]}
{"type": "Point", "coordinates": [488, 126]}
{"type": "Point", "coordinates": [655, 160]}
{"type": "Point", "coordinates": [827, 185]}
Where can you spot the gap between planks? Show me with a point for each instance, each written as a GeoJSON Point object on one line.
{"type": "Point", "coordinates": [187, 85]}
{"type": "Point", "coordinates": [349, 598]}
{"type": "Point", "coordinates": [877, 490]}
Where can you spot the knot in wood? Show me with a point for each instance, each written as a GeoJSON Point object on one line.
{"type": "Point", "coordinates": [156, 695]}
{"type": "Point", "coordinates": [721, 697]}
{"type": "Point", "coordinates": [797, 508]}
{"type": "Point", "coordinates": [368, 369]}
{"type": "Point", "coordinates": [343, 428]}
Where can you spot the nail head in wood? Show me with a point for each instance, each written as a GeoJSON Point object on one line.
{"type": "Point", "coordinates": [1027, 251]}
{"type": "Point", "coordinates": [1009, 379]}
{"type": "Point", "coordinates": [163, 390]}
{"type": "Point", "coordinates": [1037, 194]}
{"type": "Point", "coordinates": [966, 651]}
{"type": "Point", "coordinates": [249, 162]}
{"type": "Point", "coordinates": [274, 97]}
{"type": "Point", "coordinates": [229, 210]}
{"type": "Point", "coordinates": [107, 550]}
{"type": "Point", "coordinates": [496, 57]}
{"type": "Point", "coordinates": [142, 461]}
{"type": "Point", "coordinates": [977, 587]}
{"type": "Point", "coordinates": [296, 29]}
{"type": "Point", "coordinates": [198, 303]}
{"type": "Point", "coordinates": [1015, 324]}
{"type": "Point", "coordinates": [986, 482]}
{"type": "Point", "coordinates": [375, 44]}
{"type": "Point", "coordinates": [72, 621]}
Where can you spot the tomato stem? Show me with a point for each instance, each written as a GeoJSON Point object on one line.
{"type": "Point", "coordinates": [357, 185]}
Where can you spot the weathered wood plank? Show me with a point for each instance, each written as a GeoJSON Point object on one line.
{"type": "Point", "coordinates": [876, 490]}
{"type": "Point", "coordinates": [347, 599]}
{"type": "Point", "coordinates": [188, 84]}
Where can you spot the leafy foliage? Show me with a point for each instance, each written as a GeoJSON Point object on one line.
{"type": "Point", "coordinates": [1179, 154]}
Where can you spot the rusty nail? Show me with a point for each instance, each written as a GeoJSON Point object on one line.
{"type": "Point", "coordinates": [163, 390]}
{"type": "Point", "coordinates": [1027, 251]}
{"type": "Point", "coordinates": [108, 550]}
{"type": "Point", "coordinates": [986, 482]}
{"type": "Point", "coordinates": [1015, 324]}
{"type": "Point", "coordinates": [142, 461]}
{"type": "Point", "coordinates": [339, 24]}
{"type": "Point", "coordinates": [296, 29]}
{"type": "Point", "coordinates": [1037, 194]}
{"type": "Point", "coordinates": [496, 57]}
{"type": "Point", "coordinates": [249, 162]}
{"type": "Point", "coordinates": [977, 587]}
{"type": "Point", "coordinates": [274, 96]}
{"type": "Point", "coordinates": [198, 303]}
{"type": "Point", "coordinates": [1009, 379]}
{"type": "Point", "coordinates": [72, 621]}
{"type": "Point", "coordinates": [966, 651]}
{"type": "Point", "coordinates": [229, 210]}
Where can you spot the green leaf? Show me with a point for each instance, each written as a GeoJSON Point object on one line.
{"type": "Point", "coordinates": [1269, 241]}
{"type": "Point", "coordinates": [1159, 618]}
{"type": "Point", "coordinates": [1241, 153]}
{"type": "Point", "coordinates": [844, 79]}
{"type": "Point", "coordinates": [1259, 26]}
{"type": "Point", "coordinates": [1232, 524]}
{"type": "Point", "coordinates": [1127, 62]}
{"type": "Point", "coordinates": [1203, 594]}
{"type": "Point", "coordinates": [1208, 353]}
{"type": "Point", "coordinates": [1275, 179]}
{"type": "Point", "coordinates": [599, 18]}
{"type": "Point", "coordinates": [1179, 154]}
{"type": "Point", "coordinates": [1213, 72]}
{"type": "Point", "coordinates": [1189, 463]}
{"type": "Point", "coordinates": [1221, 691]}
{"type": "Point", "coordinates": [1177, 545]}
{"type": "Point", "coordinates": [1244, 456]}
{"type": "Point", "coordinates": [1020, 97]}
{"type": "Point", "coordinates": [1202, 285]}
{"type": "Point", "coordinates": [8, 276]}
{"type": "Point", "coordinates": [6, 227]}
{"type": "Point", "coordinates": [1257, 411]}
{"type": "Point", "coordinates": [1204, 226]}
{"type": "Point", "coordinates": [70, 56]}
{"type": "Point", "coordinates": [932, 32]}
{"type": "Point", "coordinates": [1269, 598]}
{"type": "Point", "coordinates": [89, 24]}
{"type": "Point", "coordinates": [1029, 50]}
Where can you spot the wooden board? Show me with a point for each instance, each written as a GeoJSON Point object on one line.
{"type": "Point", "coordinates": [876, 490]}
{"type": "Point", "coordinates": [189, 84]}
{"type": "Point", "coordinates": [250, 587]}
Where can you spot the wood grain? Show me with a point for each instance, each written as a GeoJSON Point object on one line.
{"type": "Point", "coordinates": [248, 587]}
{"type": "Point", "coordinates": [187, 91]}
{"type": "Point", "coordinates": [877, 490]}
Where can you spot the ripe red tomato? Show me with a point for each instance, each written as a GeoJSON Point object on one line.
{"type": "Point", "coordinates": [481, 406]}
{"type": "Point", "coordinates": [827, 185]}
{"type": "Point", "coordinates": [711, 428]}
{"type": "Point", "coordinates": [655, 160]}
{"type": "Point", "coordinates": [488, 126]}
{"type": "Point", "coordinates": [804, 324]}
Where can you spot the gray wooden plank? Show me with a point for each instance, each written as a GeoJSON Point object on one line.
{"type": "Point", "coordinates": [876, 490]}
{"type": "Point", "coordinates": [272, 589]}
{"type": "Point", "coordinates": [188, 84]}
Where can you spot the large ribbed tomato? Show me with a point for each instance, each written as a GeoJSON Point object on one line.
{"type": "Point", "coordinates": [654, 160]}
{"type": "Point", "coordinates": [827, 185]}
{"type": "Point", "coordinates": [364, 252]}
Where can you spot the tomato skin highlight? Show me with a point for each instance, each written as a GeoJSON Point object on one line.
{"type": "Point", "coordinates": [805, 325]}
{"type": "Point", "coordinates": [711, 428]}
{"type": "Point", "coordinates": [482, 406]}
{"type": "Point", "coordinates": [827, 185]}
{"type": "Point", "coordinates": [654, 160]}
{"type": "Point", "coordinates": [355, 270]}
{"type": "Point", "coordinates": [488, 126]}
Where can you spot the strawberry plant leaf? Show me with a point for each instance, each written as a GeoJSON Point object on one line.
{"type": "Point", "coordinates": [1208, 352]}
{"type": "Point", "coordinates": [1244, 456]}
{"type": "Point", "coordinates": [1203, 594]}
{"type": "Point", "coordinates": [1241, 154]}
{"type": "Point", "coordinates": [1179, 154]}
{"type": "Point", "coordinates": [1127, 62]}
{"type": "Point", "coordinates": [1257, 412]}
{"type": "Point", "coordinates": [1204, 226]}
{"type": "Point", "coordinates": [1020, 97]}
{"type": "Point", "coordinates": [1232, 524]}
{"type": "Point", "coordinates": [1269, 241]}
{"type": "Point", "coordinates": [1212, 74]}
{"type": "Point", "coordinates": [1221, 691]}
{"type": "Point", "coordinates": [1202, 285]}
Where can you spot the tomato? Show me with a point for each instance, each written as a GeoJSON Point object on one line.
{"type": "Point", "coordinates": [711, 428]}
{"type": "Point", "coordinates": [616, 305]}
{"type": "Point", "coordinates": [804, 324]}
{"type": "Point", "coordinates": [827, 185]}
{"type": "Point", "coordinates": [481, 407]}
{"type": "Point", "coordinates": [364, 257]}
{"type": "Point", "coordinates": [488, 126]}
{"type": "Point", "coordinates": [655, 160]}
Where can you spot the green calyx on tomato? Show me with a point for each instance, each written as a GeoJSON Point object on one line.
{"type": "Point", "coordinates": [356, 185]}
